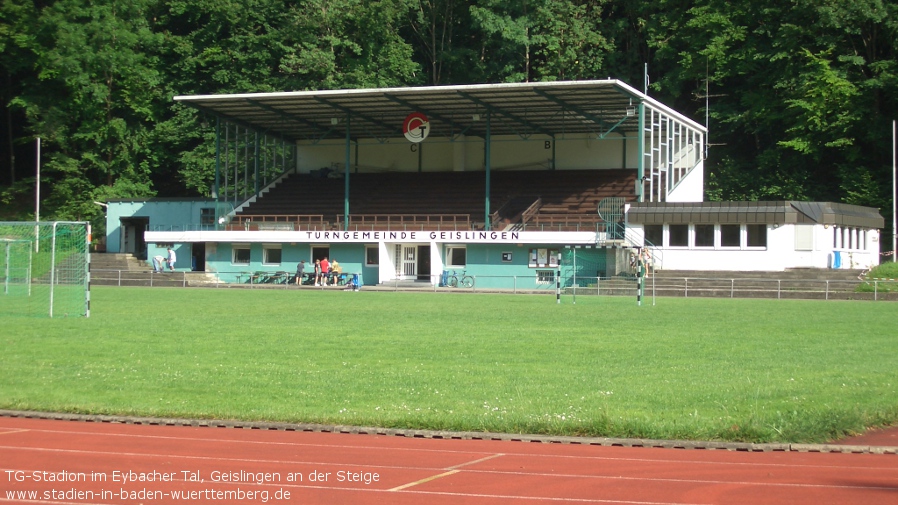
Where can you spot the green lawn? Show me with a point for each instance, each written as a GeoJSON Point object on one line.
{"type": "Point", "coordinates": [717, 369]}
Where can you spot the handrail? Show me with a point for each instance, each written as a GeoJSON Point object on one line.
{"type": "Point", "coordinates": [289, 222]}
{"type": "Point", "coordinates": [521, 217]}
{"type": "Point", "coordinates": [530, 212]}
{"type": "Point", "coordinates": [287, 218]}
{"type": "Point", "coordinates": [405, 221]}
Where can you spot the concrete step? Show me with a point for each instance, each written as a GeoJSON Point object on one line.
{"type": "Point", "coordinates": [117, 261]}
{"type": "Point", "coordinates": [135, 278]}
{"type": "Point", "coordinates": [798, 273]}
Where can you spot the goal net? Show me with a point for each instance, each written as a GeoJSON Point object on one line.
{"type": "Point", "coordinates": [44, 269]}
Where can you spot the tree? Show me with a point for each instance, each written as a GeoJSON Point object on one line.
{"type": "Point", "coordinates": [93, 102]}
{"type": "Point", "coordinates": [444, 39]}
{"type": "Point", "coordinates": [16, 47]}
{"type": "Point", "coordinates": [347, 44]}
{"type": "Point", "coordinates": [798, 92]}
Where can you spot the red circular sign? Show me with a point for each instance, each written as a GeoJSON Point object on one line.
{"type": "Point", "coordinates": [416, 127]}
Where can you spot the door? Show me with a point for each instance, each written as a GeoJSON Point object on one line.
{"type": "Point", "coordinates": [132, 239]}
{"type": "Point", "coordinates": [423, 263]}
{"type": "Point", "coordinates": [409, 262]}
{"type": "Point", "coordinates": [198, 250]}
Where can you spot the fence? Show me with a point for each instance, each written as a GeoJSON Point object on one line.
{"type": "Point", "coordinates": [655, 286]}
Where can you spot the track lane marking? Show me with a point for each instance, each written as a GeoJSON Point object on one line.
{"type": "Point", "coordinates": [14, 431]}
{"type": "Point", "coordinates": [452, 471]}
{"type": "Point", "coordinates": [481, 460]}
{"type": "Point", "coordinates": [425, 480]}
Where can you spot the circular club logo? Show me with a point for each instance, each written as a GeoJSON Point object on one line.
{"type": "Point", "coordinates": [416, 127]}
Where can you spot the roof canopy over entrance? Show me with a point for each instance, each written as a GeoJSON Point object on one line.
{"type": "Point", "coordinates": [548, 108]}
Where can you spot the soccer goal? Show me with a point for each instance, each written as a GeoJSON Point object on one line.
{"type": "Point", "coordinates": [44, 269]}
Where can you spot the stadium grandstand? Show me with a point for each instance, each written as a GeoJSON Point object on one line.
{"type": "Point", "coordinates": [498, 181]}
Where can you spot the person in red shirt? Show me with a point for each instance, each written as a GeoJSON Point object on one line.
{"type": "Point", "coordinates": [325, 270]}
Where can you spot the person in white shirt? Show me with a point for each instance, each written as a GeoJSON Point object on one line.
{"type": "Point", "coordinates": [171, 259]}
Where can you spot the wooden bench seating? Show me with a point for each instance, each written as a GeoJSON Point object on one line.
{"type": "Point", "coordinates": [574, 194]}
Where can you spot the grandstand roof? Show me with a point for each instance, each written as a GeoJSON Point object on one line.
{"type": "Point", "coordinates": [538, 108]}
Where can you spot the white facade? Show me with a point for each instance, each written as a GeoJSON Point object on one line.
{"type": "Point", "coordinates": [787, 246]}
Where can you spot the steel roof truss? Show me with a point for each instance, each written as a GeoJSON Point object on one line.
{"type": "Point", "coordinates": [508, 115]}
{"type": "Point", "coordinates": [431, 114]}
{"type": "Point", "coordinates": [364, 117]}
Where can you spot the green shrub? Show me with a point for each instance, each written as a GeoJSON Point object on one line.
{"type": "Point", "coordinates": [881, 278]}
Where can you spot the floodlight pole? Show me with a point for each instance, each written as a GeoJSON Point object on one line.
{"type": "Point", "coordinates": [894, 190]}
{"type": "Point", "coordinates": [37, 198]}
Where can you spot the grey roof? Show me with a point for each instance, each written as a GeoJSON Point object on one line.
{"type": "Point", "coordinates": [542, 108]}
{"type": "Point", "coordinates": [777, 212]}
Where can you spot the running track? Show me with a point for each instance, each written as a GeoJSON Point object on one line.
{"type": "Point", "coordinates": [410, 470]}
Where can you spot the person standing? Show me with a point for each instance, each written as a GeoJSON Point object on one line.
{"type": "Point", "coordinates": [325, 270]}
{"type": "Point", "coordinates": [317, 271]}
{"type": "Point", "coordinates": [336, 270]}
{"type": "Point", "coordinates": [172, 258]}
{"type": "Point", "coordinates": [300, 271]}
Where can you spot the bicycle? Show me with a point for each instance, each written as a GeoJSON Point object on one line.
{"type": "Point", "coordinates": [467, 281]}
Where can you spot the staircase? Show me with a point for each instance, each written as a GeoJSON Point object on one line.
{"type": "Point", "coordinates": [793, 283]}
{"type": "Point", "coordinates": [116, 269]}
{"type": "Point", "coordinates": [118, 261]}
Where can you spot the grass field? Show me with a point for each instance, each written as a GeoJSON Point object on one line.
{"type": "Point", "coordinates": [713, 369]}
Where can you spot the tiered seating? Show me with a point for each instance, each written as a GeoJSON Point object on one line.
{"type": "Point", "coordinates": [443, 199]}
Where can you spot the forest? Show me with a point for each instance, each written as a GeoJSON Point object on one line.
{"type": "Point", "coordinates": [799, 95]}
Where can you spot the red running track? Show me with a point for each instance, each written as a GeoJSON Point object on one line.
{"type": "Point", "coordinates": [75, 462]}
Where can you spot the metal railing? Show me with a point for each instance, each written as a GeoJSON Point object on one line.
{"type": "Point", "coordinates": [661, 286]}
{"type": "Point", "coordinates": [404, 222]}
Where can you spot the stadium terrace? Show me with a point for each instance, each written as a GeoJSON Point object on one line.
{"type": "Point", "coordinates": [501, 181]}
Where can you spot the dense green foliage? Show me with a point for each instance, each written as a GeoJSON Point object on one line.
{"type": "Point", "coordinates": [800, 94]}
{"type": "Point", "coordinates": [687, 368]}
{"type": "Point", "coordinates": [881, 278]}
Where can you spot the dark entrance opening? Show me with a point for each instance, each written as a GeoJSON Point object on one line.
{"type": "Point", "coordinates": [198, 250]}
{"type": "Point", "coordinates": [133, 242]}
{"type": "Point", "coordinates": [423, 262]}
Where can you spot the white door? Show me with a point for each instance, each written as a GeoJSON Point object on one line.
{"type": "Point", "coordinates": [409, 262]}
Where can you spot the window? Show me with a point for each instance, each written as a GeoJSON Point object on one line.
{"type": "Point", "coordinates": [320, 252]}
{"type": "Point", "coordinates": [545, 276]}
{"type": "Point", "coordinates": [372, 255]}
{"type": "Point", "coordinates": [654, 235]}
{"type": "Point", "coordinates": [271, 254]}
{"type": "Point", "coordinates": [207, 217]}
{"type": "Point", "coordinates": [730, 235]}
{"type": "Point", "coordinates": [704, 235]}
{"type": "Point", "coordinates": [757, 235]}
{"type": "Point", "coordinates": [804, 237]}
{"type": "Point", "coordinates": [240, 254]}
{"type": "Point", "coordinates": [541, 258]}
{"type": "Point", "coordinates": [678, 235]}
{"type": "Point", "coordinates": [456, 256]}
